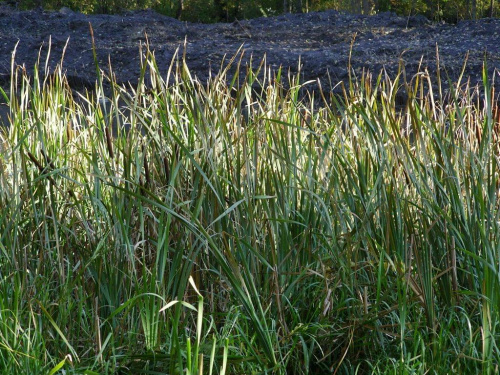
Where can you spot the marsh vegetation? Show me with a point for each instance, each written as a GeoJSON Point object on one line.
{"type": "Point", "coordinates": [240, 228]}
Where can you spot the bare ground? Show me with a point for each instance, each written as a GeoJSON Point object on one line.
{"type": "Point", "coordinates": [321, 40]}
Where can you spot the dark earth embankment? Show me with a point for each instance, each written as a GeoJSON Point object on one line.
{"type": "Point", "coordinates": [321, 40]}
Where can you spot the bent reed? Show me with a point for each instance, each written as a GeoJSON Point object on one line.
{"type": "Point", "coordinates": [237, 227]}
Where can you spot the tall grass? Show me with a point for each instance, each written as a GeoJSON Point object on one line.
{"type": "Point", "coordinates": [240, 227]}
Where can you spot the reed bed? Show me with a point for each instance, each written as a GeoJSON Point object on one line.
{"type": "Point", "coordinates": [240, 227]}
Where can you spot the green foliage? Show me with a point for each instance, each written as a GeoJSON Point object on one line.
{"type": "Point", "coordinates": [242, 229]}
{"type": "Point", "coordinates": [228, 11]}
{"type": "Point", "coordinates": [410, 7]}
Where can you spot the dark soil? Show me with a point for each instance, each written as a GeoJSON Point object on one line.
{"type": "Point", "coordinates": [321, 40]}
